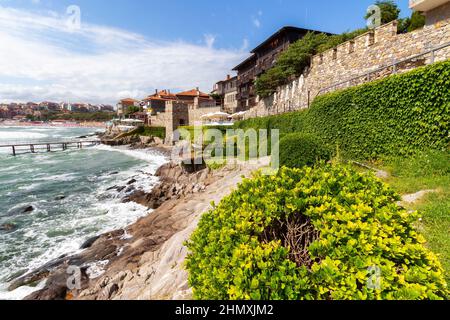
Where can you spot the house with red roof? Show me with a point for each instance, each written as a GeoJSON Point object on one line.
{"type": "Point", "coordinates": [125, 104]}
{"type": "Point", "coordinates": [172, 110]}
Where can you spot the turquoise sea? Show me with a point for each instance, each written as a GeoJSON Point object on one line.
{"type": "Point", "coordinates": [50, 203]}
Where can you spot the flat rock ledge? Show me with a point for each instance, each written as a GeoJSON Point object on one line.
{"type": "Point", "coordinates": [415, 197]}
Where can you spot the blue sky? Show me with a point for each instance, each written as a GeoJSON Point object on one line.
{"type": "Point", "coordinates": [131, 47]}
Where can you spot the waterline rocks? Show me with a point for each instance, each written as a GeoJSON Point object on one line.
{"type": "Point", "coordinates": [132, 181]}
{"type": "Point", "coordinates": [8, 227]}
{"type": "Point", "coordinates": [175, 182]}
{"type": "Point", "coordinates": [21, 210]}
{"type": "Point", "coordinates": [89, 242]}
{"type": "Point", "coordinates": [145, 260]}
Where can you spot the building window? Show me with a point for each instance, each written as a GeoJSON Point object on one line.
{"type": "Point", "coordinates": [335, 52]}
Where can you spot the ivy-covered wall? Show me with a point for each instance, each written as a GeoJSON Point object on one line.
{"type": "Point", "coordinates": [396, 115]}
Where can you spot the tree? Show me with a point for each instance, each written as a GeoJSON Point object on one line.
{"type": "Point", "coordinates": [389, 11]}
{"type": "Point", "coordinates": [417, 21]}
{"type": "Point", "coordinates": [133, 109]}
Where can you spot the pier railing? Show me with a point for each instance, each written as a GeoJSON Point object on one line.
{"type": "Point", "coordinates": [48, 146]}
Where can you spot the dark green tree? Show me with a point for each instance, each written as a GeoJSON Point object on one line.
{"type": "Point", "coordinates": [417, 21]}
{"type": "Point", "coordinates": [389, 11]}
{"type": "Point", "coordinates": [132, 110]}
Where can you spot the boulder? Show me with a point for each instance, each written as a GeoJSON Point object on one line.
{"type": "Point", "coordinates": [158, 141]}
{"type": "Point", "coordinates": [146, 140]}
{"type": "Point", "coordinates": [120, 189]}
{"type": "Point", "coordinates": [108, 291]}
{"type": "Point", "coordinates": [21, 210]}
{"type": "Point", "coordinates": [89, 242]}
{"type": "Point", "coordinates": [132, 181]}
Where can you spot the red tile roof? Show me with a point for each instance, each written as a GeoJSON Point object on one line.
{"type": "Point", "coordinates": [193, 93]}
{"type": "Point", "coordinates": [163, 95]}
{"type": "Point", "coordinates": [129, 100]}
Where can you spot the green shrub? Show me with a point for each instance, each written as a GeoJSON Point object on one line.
{"type": "Point", "coordinates": [298, 150]}
{"type": "Point", "coordinates": [159, 132]}
{"type": "Point", "coordinates": [343, 225]}
{"type": "Point", "coordinates": [398, 115]}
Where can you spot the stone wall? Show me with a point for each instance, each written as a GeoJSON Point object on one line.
{"type": "Point", "coordinates": [179, 113]}
{"type": "Point", "coordinates": [176, 114]}
{"type": "Point", "coordinates": [230, 103]}
{"type": "Point", "coordinates": [195, 115]}
{"type": "Point", "coordinates": [367, 53]}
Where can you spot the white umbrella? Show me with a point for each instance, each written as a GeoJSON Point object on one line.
{"type": "Point", "coordinates": [238, 115]}
{"type": "Point", "coordinates": [132, 121]}
{"type": "Point", "coordinates": [208, 115]}
{"type": "Point", "coordinates": [219, 115]}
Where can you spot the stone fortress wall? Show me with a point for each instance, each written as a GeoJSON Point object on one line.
{"type": "Point", "coordinates": [367, 53]}
{"type": "Point", "coordinates": [179, 113]}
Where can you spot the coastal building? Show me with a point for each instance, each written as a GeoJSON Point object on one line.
{"type": "Point", "coordinates": [50, 106]}
{"type": "Point", "coordinates": [156, 103]}
{"type": "Point", "coordinates": [125, 104]}
{"type": "Point", "coordinates": [262, 58]}
{"type": "Point", "coordinates": [169, 110]}
{"type": "Point", "coordinates": [434, 10]}
{"type": "Point", "coordinates": [106, 108]}
{"type": "Point", "coordinates": [226, 92]}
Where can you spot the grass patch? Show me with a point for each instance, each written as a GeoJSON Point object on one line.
{"type": "Point", "coordinates": [427, 171]}
{"type": "Point", "coordinates": [159, 132]}
{"type": "Point", "coordinates": [215, 164]}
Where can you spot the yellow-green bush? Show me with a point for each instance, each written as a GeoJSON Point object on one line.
{"type": "Point", "coordinates": [357, 226]}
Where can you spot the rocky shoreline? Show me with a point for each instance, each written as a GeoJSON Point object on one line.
{"type": "Point", "coordinates": [174, 184]}
{"type": "Point", "coordinates": [144, 260]}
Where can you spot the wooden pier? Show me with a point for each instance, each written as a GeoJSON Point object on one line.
{"type": "Point", "coordinates": [49, 146]}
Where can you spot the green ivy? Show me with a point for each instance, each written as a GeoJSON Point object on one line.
{"type": "Point", "coordinates": [397, 115]}
{"type": "Point", "coordinates": [360, 227]}
{"type": "Point", "coordinates": [298, 150]}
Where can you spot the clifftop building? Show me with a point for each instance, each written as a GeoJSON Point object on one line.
{"type": "Point", "coordinates": [226, 92]}
{"type": "Point", "coordinates": [262, 58]}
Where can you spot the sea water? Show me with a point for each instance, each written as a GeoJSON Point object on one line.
{"type": "Point", "coordinates": [72, 195]}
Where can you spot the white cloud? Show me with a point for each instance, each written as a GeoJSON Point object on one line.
{"type": "Point", "coordinates": [42, 59]}
{"type": "Point", "coordinates": [256, 20]}
{"type": "Point", "coordinates": [210, 40]}
{"type": "Point", "coordinates": [245, 44]}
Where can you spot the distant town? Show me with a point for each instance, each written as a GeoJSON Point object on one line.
{"type": "Point", "coordinates": [49, 111]}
